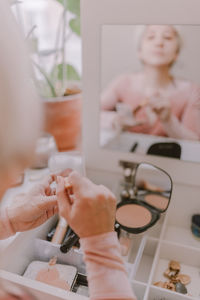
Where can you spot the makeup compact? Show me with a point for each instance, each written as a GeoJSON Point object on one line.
{"type": "Point", "coordinates": [145, 195]}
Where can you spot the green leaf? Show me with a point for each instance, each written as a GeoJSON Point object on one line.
{"type": "Point", "coordinates": [75, 25]}
{"type": "Point", "coordinates": [71, 73]}
{"type": "Point", "coordinates": [46, 77]}
{"type": "Point", "coordinates": [72, 5]}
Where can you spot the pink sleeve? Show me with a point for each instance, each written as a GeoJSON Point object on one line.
{"type": "Point", "coordinates": [6, 229]}
{"type": "Point", "coordinates": [191, 115]}
{"type": "Point", "coordinates": [105, 268]}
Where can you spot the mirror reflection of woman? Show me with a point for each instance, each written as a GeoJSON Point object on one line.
{"type": "Point", "coordinates": [160, 104]}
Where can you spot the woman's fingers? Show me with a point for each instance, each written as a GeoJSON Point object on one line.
{"type": "Point", "coordinates": [47, 202]}
{"type": "Point", "coordinates": [81, 185]}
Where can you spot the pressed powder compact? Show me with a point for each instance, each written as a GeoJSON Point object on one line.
{"type": "Point", "coordinates": [145, 195]}
{"type": "Point", "coordinates": [133, 215]}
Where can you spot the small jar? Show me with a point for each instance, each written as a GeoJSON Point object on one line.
{"type": "Point", "coordinates": [45, 147]}
{"type": "Point", "coordinates": [195, 227]}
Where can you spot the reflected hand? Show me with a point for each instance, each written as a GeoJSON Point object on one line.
{"type": "Point", "coordinates": [162, 108]}
{"type": "Point", "coordinates": [90, 209]}
{"type": "Point", "coordinates": [33, 208]}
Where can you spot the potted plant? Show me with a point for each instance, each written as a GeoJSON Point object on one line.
{"type": "Point", "coordinates": [59, 86]}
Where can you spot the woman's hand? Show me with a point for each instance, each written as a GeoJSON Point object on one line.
{"type": "Point", "coordinates": [89, 209]}
{"type": "Point", "coordinates": [162, 108]}
{"type": "Point", "coordinates": [33, 208]}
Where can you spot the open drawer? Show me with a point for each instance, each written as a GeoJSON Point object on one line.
{"type": "Point", "coordinates": [32, 246]}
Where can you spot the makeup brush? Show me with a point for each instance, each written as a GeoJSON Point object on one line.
{"type": "Point", "coordinates": [72, 238]}
{"type": "Point", "coordinates": [69, 243]}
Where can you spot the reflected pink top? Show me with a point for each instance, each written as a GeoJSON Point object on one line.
{"type": "Point", "coordinates": [184, 97]}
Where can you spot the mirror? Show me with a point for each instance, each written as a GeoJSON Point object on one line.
{"type": "Point", "coordinates": [145, 194]}
{"type": "Point", "coordinates": [150, 90]}
{"type": "Point", "coordinates": [154, 186]}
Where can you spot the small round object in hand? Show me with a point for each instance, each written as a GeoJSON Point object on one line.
{"type": "Point", "coordinates": [68, 186]}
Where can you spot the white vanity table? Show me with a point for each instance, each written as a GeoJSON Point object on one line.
{"type": "Point", "coordinates": [171, 237]}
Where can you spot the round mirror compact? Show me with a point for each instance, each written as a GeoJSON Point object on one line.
{"type": "Point", "coordinates": [145, 195]}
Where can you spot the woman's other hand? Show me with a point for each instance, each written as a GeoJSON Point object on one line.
{"type": "Point", "coordinates": [31, 209]}
{"type": "Point", "coordinates": [89, 208]}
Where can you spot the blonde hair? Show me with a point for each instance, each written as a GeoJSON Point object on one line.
{"type": "Point", "coordinates": [20, 111]}
{"type": "Point", "coordinates": [140, 29]}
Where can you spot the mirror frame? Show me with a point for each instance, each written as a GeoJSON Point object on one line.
{"type": "Point", "coordinates": [94, 14]}
{"type": "Point", "coordinates": [170, 179]}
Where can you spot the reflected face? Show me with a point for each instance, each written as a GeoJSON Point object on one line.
{"type": "Point", "coordinates": [159, 45]}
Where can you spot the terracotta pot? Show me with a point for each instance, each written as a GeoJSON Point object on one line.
{"type": "Point", "coordinates": [63, 120]}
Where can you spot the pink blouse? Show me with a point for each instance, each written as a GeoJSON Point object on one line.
{"type": "Point", "coordinates": [184, 100]}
